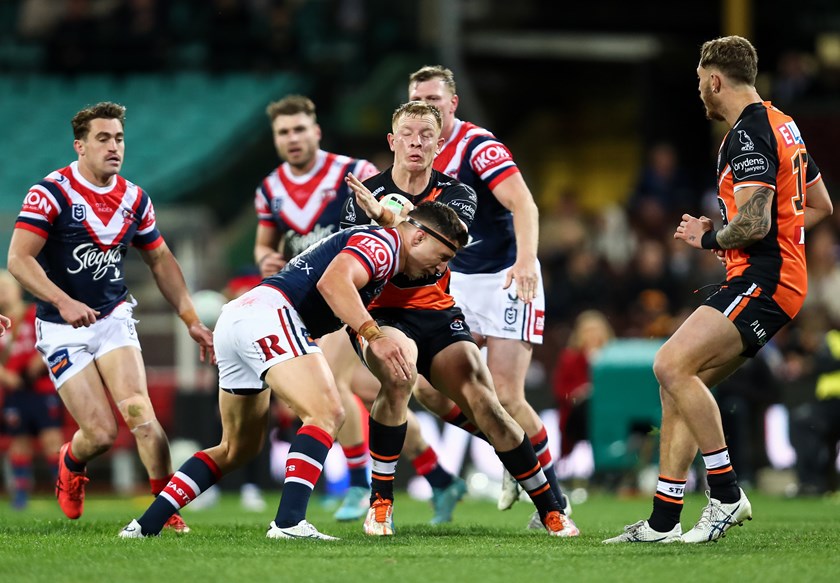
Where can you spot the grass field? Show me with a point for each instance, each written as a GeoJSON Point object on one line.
{"type": "Point", "coordinates": [788, 540]}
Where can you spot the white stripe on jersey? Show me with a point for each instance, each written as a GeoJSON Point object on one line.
{"type": "Point", "coordinates": [460, 148]}
{"type": "Point", "coordinates": [297, 217]}
{"type": "Point", "coordinates": [104, 233]}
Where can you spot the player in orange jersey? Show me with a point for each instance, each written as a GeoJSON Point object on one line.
{"type": "Point", "coordinates": [770, 192]}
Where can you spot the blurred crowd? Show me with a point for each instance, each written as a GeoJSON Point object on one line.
{"type": "Point", "coordinates": [125, 36]}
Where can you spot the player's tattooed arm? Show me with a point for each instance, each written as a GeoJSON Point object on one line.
{"type": "Point", "coordinates": [751, 224]}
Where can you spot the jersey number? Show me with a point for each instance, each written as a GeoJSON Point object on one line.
{"type": "Point", "coordinates": [798, 171]}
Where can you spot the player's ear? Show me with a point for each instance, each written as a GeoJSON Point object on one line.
{"type": "Point", "coordinates": [418, 237]}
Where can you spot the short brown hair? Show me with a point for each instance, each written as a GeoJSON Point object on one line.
{"type": "Point", "coordinates": [442, 219]}
{"type": "Point", "coordinates": [102, 110]}
{"type": "Point", "coordinates": [291, 105]}
{"type": "Point", "coordinates": [734, 56]}
{"type": "Point", "coordinates": [434, 72]}
{"type": "Point", "coordinates": [416, 109]}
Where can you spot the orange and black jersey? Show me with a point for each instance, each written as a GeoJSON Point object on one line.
{"type": "Point", "coordinates": [765, 148]}
{"type": "Point", "coordinates": [427, 293]}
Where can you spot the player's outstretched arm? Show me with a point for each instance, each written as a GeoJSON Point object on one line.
{"type": "Point", "coordinates": [170, 280]}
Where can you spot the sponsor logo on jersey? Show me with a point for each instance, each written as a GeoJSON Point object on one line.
{"type": "Point", "coordinates": [97, 261]}
{"type": "Point", "coordinates": [37, 203]}
{"type": "Point", "coordinates": [296, 243]}
{"type": "Point", "coordinates": [746, 142]}
{"type": "Point", "coordinates": [378, 253]}
{"type": "Point", "coordinates": [300, 263]}
{"type": "Point", "coordinates": [276, 204]}
{"type": "Point", "coordinates": [59, 362]}
{"type": "Point", "coordinates": [328, 194]}
{"type": "Point", "coordinates": [491, 156]}
{"type": "Point", "coordinates": [747, 165]}
{"type": "Point", "coordinates": [790, 133]}
{"type": "Point", "coordinates": [466, 207]}
{"type": "Point", "coordinates": [79, 213]}
{"type": "Point", "coordinates": [377, 191]}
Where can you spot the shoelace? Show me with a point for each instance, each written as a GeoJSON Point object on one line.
{"type": "Point", "coordinates": [380, 508]}
{"type": "Point", "coordinates": [75, 486]}
{"type": "Point", "coordinates": [712, 513]}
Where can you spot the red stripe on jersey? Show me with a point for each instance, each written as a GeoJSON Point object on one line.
{"type": "Point", "coordinates": [31, 229]}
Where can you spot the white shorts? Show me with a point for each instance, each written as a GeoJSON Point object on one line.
{"type": "Point", "coordinates": [493, 311]}
{"type": "Point", "coordinates": [254, 332]}
{"type": "Point", "coordinates": [68, 350]}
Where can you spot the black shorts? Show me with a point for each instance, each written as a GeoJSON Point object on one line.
{"type": "Point", "coordinates": [431, 330]}
{"type": "Point", "coordinates": [753, 312]}
{"type": "Point", "coordinates": [29, 413]}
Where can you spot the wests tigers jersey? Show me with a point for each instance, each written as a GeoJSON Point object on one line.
{"type": "Point", "coordinates": [88, 230]}
{"type": "Point", "coordinates": [305, 209]}
{"type": "Point", "coordinates": [425, 293]}
{"type": "Point", "coordinates": [765, 148]}
{"type": "Point", "coordinates": [377, 249]}
{"type": "Point", "coordinates": [477, 158]}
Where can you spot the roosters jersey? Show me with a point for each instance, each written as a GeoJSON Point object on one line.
{"type": "Point", "coordinates": [377, 249]}
{"type": "Point", "coordinates": [765, 148]}
{"type": "Point", "coordinates": [430, 292]}
{"type": "Point", "coordinates": [88, 230]}
{"type": "Point", "coordinates": [474, 156]}
{"type": "Point", "coordinates": [305, 209]}
{"type": "Point", "coordinates": [17, 349]}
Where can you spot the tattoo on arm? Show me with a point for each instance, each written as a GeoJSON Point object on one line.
{"type": "Point", "coordinates": [751, 224]}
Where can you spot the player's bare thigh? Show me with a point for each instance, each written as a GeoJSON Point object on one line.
{"type": "Point", "coordinates": [508, 360]}
{"type": "Point", "coordinates": [307, 385]}
{"type": "Point", "coordinates": [707, 340]}
{"type": "Point", "coordinates": [86, 398]}
{"type": "Point", "coordinates": [124, 374]}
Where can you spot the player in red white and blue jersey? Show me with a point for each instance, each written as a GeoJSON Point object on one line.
{"type": "Point", "coordinates": [67, 249]}
{"type": "Point", "coordinates": [502, 251]}
{"type": "Point", "coordinates": [298, 204]}
{"type": "Point", "coordinates": [265, 336]}
{"type": "Point", "coordinates": [300, 201]}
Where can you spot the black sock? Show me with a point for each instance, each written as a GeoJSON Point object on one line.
{"type": "Point", "coordinates": [386, 443]}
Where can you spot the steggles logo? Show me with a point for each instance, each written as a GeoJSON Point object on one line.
{"type": "Point", "coordinates": [96, 260]}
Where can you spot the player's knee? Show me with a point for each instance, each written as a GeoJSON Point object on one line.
{"type": "Point", "coordinates": [101, 437]}
{"type": "Point", "coordinates": [137, 411]}
{"type": "Point", "coordinates": [665, 369]}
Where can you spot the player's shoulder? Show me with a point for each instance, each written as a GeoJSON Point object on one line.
{"type": "Point", "coordinates": [447, 183]}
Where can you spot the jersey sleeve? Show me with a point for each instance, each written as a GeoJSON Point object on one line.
{"type": "Point", "coordinates": [147, 236]}
{"type": "Point", "coordinates": [262, 205]}
{"type": "Point", "coordinates": [753, 156]}
{"type": "Point", "coordinates": [812, 174]}
{"type": "Point", "coordinates": [491, 160]}
{"type": "Point", "coordinates": [41, 207]}
{"type": "Point", "coordinates": [462, 199]}
{"type": "Point", "coordinates": [378, 258]}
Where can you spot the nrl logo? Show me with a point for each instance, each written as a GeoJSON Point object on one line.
{"type": "Point", "coordinates": [79, 212]}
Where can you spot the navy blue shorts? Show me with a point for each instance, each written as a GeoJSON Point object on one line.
{"type": "Point", "coordinates": [431, 330]}
{"type": "Point", "coordinates": [756, 315]}
{"type": "Point", "coordinates": [28, 413]}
